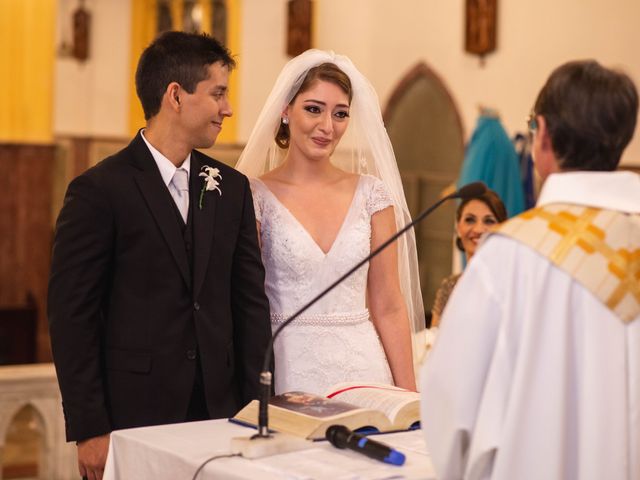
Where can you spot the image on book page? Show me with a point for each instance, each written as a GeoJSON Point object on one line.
{"type": "Point", "coordinates": [309, 404]}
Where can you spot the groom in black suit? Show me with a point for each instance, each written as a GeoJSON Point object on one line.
{"type": "Point", "coordinates": [157, 309]}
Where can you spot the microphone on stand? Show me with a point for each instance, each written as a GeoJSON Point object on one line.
{"type": "Point", "coordinates": [470, 190]}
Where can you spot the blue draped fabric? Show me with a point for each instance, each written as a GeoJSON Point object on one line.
{"type": "Point", "coordinates": [526, 170]}
{"type": "Point", "coordinates": [492, 158]}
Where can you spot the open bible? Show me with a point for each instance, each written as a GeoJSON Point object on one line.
{"type": "Point", "coordinates": [369, 406]}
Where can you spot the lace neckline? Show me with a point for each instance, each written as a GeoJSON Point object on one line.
{"type": "Point", "coordinates": [303, 228]}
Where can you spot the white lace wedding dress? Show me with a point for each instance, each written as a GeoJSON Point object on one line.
{"type": "Point", "coordinates": [334, 340]}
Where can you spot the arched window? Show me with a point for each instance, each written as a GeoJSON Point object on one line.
{"type": "Point", "coordinates": [23, 451]}
{"type": "Point", "coordinates": [427, 135]}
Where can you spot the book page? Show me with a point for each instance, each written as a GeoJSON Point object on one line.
{"type": "Point", "coordinates": [376, 396]}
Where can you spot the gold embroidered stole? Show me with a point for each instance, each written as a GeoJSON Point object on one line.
{"type": "Point", "coordinates": [599, 248]}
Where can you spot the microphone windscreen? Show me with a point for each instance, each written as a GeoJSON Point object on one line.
{"type": "Point", "coordinates": [337, 435]}
{"type": "Point", "coordinates": [471, 190]}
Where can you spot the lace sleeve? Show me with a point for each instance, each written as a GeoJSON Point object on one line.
{"type": "Point", "coordinates": [256, 191]}
{"type": "Point", "coordinates": [443, 293]}
{"type": "Point", "coordinates": [379, 197]}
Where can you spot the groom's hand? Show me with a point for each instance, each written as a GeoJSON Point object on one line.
{"type": "Point", "coordinates": [92, 456]}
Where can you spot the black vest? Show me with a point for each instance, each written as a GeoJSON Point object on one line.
{"type": "Point", "coordinates": [187, 233]}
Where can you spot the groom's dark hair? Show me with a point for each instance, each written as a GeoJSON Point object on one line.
{"type": "Point", "coordinates": [176, 57]}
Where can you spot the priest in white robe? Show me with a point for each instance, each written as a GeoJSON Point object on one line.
{"type": "Point", "coordinates": [536, 371]}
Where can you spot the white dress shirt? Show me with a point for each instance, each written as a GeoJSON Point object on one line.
{"type": "Point", "coordinates": [167, 168]}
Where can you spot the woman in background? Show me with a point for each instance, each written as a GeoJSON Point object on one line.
{"type": "Point", "coordinates": [318, 215]}
{"type": "Point", "coordinates": [474, 217]}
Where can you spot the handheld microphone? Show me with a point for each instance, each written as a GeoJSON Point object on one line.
{"type": "Point", "coordinates": [467, 191]}
{"type": "Point", "coordinates": [341, 437]}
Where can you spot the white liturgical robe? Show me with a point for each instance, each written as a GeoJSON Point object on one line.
{"type": "Point", "coordinates": [533, 375]}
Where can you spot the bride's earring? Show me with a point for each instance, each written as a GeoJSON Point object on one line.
{"type": "Point", "coordinates": [285, 120]}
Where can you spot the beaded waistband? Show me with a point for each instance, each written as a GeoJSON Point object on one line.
{"type": "Point", "coordinates": [324, 319]}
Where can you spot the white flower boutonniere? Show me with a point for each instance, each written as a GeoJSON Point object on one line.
{"type": "Point", "coordinates": [210, 183]}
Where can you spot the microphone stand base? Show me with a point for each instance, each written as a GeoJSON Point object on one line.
{"type": "Point", "coordinates": [274, 444]}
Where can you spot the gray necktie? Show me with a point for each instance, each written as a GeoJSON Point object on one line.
{"type": "Point", "coordinates": [180, 191]}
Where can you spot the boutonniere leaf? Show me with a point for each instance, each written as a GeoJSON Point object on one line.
{"type": "Point", "coordinates": [210, 175]}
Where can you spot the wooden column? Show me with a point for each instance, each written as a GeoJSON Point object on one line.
{"type": "Point", "coordinates": [26, 231]}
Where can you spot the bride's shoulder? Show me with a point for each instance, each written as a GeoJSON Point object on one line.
{"type": "Point", "coordinates": [372, 183]}
{"type": "Point", "coordinates": [377, 194]}
{"type": "Point", "coordinates": [369, 179]}
{"type": "Point", "coordinates": [273, 179]}
{"type": "Point", "coordinates": [260, 191]}
{"type": "Point", "coordinates": [349, 178]}
{"type": "Point", "coordinates": [257, 185]}
{"type": "Point", "coordinates": [268, 181]}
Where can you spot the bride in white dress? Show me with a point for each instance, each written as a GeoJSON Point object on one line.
{"type": "Point", "coordinates": [318, 217]}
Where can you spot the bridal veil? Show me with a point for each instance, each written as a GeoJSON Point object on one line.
{"type": "Point", "coordinates": [364, 149]}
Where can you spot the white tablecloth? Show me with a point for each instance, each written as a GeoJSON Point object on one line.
{"type": "Point", "coordinates": [174, 452]}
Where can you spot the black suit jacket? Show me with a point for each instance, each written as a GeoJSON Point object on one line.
{"type": "Point", "coordinates": [128, 314]}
